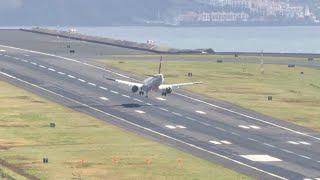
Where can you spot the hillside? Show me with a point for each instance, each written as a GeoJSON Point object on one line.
{"type": "Point", "coordinates": [100, 12]}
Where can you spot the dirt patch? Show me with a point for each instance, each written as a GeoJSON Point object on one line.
{"type": "Point", "coordinates": [17, 170]}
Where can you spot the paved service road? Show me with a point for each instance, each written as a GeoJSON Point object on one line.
{"type": "Point", "coordinates": [246, 141]}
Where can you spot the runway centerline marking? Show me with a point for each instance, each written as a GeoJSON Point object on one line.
{"type": "Point", "coordinates": [179, 94]}
{"type": "Point", "coordinates": [42, 66]}
{"type": "Point", "coordinates": [61, 73]}
{"type": "Point", "coordinates": [92, 84]}
{"type": "Point", "coordinates": [126, 96]}
{"type": "Point", "coordinates": [114, 92]}
{"type": "Point", "coordinates": [50, 69]}
{"type": "Point", "coordinates": [81, 80]}
{"type": "Point", "coordinates": [34, 63]}
{"type": "Point", "coordinates": [72, 77]}
{"type": "Point", "coordinates": [135, 99]}
{"type": "Point", "coordinates": [145, 128]}
{"type": "Point", "coordinates": [226, 142]}
{"type": "Point", "coordinates": [163, 109]}
{"type": "Point", "coordinates": [103, 88]}
{"type": "Point", "coordinates": [177, 114]}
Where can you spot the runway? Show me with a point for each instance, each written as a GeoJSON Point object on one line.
{"type": "Point", "coordinates": [246, 141]}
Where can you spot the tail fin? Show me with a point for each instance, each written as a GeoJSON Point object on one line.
{"type": "Point", "coordinates": [159, 71]}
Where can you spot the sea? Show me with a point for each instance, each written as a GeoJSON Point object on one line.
{"type": "Point", "coordinates": [279, 39]}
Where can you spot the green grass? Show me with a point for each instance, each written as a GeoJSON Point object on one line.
{"type": "Point", "coordinates": [296, 97]}
{"type": "Point", "coordinates": [83, 147]}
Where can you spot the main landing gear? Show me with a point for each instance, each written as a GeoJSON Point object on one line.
{"type": "Point", "coordinates": [164, 94]}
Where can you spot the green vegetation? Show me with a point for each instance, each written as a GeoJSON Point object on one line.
{"type": "Point", "coordinates": [8, 174]}
{"type": "Point", "coordinates": [296, 96]}
{"type": "Point", "coordinates": [82, 147]}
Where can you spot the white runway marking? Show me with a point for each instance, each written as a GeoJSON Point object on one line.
{"type": "Point", "coordinates": [34, 63]}
{"type": "Point", "coordinates": [50, 69]}
{"type": "Point", "coordinates": [177, 114]}
{"type": "Point", "coordinates": [104, 98]}
{"type": "Point", "coordinates": [26, 55]}
{"type": "Point", "coordinates": [160, 99]}
{"type": "Point", "coordinates": [244, 127]}
{"type": "Point", "coordinates": [42, 66]}
{"type": "Point", "coordinates": [181, 127]}
{"type": "Point", "coordinates": [16, 58]}
{"type": "Point", "coordinates": [114, 92]}
{"type": "Point", "coordinates": [201, 112]}
{"type": "Point", "coordinates": [6, 55]}
{"type": "Point", "coordinates": [134, 124]}
{"type": "Point", "coordinates": [137, 100]}
{"type": "Point", "coordinates": [163, 109]}
{"type": "Point", "coordinates": [126, 96]}
{"type": "Point", "coordinates": [101, 87]}
{"type": "Point", "coordinates": [62, 73]}
{"type": "Point", "coordinates": [270, 145]}
{"type": "Point", "coordinates": [149, 104]}
{"type": "Point", "coordinates": [92, 84]}
{"type": "Point", "coordinates": [215, 142]}
{"type": "Point", "coordinates": [140, 112]}
{"type": "Point", "coordinates": [306, 157]}
{"type": "Point", "coordinates": [251, 139]}
{"type": "Point", "coordinates": [249, 127]}
{"type": "Point", "coordinates": [305, 143]}
{"type": "Point", "coordinates": [24, 60]}
{"type": "Point", "coordinates": [170, 127]}
{"type": "Point", "coordinates": [81, 80]}
{"type": "Point", "coordinates": [72, 77]}
{"type": "Point", "coordinates": [293, 142]}
{"type": "Point", "coordinates": [2, 50]}
{"type": "Point", "coordinates": [255, 127]}
{"type": "Point", "coordinates": [226, 142]}
{"type": "Point", "coordinates": [261, 158]}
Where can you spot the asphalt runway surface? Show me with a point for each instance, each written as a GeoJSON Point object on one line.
{"type": "Point", "coordinates": [240, 139]}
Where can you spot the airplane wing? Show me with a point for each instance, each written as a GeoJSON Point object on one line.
{"type": "Point", "coordinates": [131, 84]}
{"type": "Point", "coordinates": [176, 86]}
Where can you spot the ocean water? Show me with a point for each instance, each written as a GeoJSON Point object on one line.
{"type": "Point", "coordinates": [292, 39]}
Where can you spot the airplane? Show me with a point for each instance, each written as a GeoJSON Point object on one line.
{"type": "Point", "coordinates": [153, 83]}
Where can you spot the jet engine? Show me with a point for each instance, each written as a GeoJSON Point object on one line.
{"type": "Point", "coordinates": [134, 89]}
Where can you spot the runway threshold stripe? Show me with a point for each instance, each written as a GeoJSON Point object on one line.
{"type": "Point", "coordinates": [146, 129]}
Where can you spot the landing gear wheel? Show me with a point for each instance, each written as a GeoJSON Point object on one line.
{"type": "Point", "coordinates": [141, 93]}
{"type": "Point", "coordinates": [164, 94]}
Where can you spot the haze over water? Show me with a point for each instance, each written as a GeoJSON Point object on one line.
{"type": "Point", "coordinates": [293, 39]}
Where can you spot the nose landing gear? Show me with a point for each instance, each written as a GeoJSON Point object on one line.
{"type": "Point", "coordinates": [164, 94]}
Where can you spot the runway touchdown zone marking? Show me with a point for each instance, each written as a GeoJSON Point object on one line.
{"type": "Point", "coordinates": [104, 98]}
{"type": "Point", "coordinates": [161, 99]}
{"type": "Point", "coordinates": [201, 112]}
{"type": "Point", "coordinates": [299, 143]}
{"type": "Point", "coordinates": [175, 127]}
{"type": "Point", "coordinates": [220, 142]}
{"type": "Point", "coordinates": [140, 112]}
{"type": "Point", "coordinates": [249, 127]}
{"type": "Point", "coordinates": [261, 158]}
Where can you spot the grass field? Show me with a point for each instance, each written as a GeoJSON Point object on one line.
{"type": "Point", "coordinates": [82, 147]}
{"type": "Point", "coordinates": [296, 96]}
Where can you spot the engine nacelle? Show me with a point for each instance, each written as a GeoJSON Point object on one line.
{"type": "Point", "coordinates": [168, 90]}
{"type": "Point", "coordinates": [134, 89]}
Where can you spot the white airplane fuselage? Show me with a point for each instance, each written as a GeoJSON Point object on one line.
{"type": "Point", "coordinates": [152, 83]}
